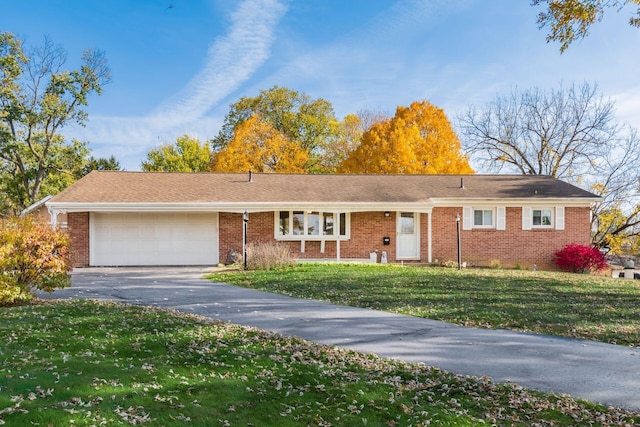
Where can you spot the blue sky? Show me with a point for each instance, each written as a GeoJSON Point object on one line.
{"type": "Point", "coordinates": [177, 65]}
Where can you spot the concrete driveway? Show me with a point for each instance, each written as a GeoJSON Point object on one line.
{"type": "Point", "coordinates": [594, 371]}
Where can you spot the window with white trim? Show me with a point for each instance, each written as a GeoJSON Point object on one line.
{"type": "Point", "coordinates": [541, 218]}
{"type": "Point", "coordinates": [483, 218]}
{"type": "Point", "coordinates": [312, 225]}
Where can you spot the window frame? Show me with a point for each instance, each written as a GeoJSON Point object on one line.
{"type": "Point", "coordinates": [499, 217]}
{"type": "Point", "coordinates": [322, 216]}
{"type": "Point", "coordinates": [483, 210]}
{"type": "Point", "coordinates": [542, 210]}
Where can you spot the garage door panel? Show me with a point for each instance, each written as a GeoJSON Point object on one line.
{"type": "Point", "coordinates": [154, 239]}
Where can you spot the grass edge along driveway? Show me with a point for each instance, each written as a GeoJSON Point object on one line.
{"type": "Point", "coordinates": [89, 363]}
{"type": "Point", "coordinates": [571, 305]}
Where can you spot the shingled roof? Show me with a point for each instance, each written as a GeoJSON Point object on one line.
{"type": "Point", "coordinates": [111, 187]}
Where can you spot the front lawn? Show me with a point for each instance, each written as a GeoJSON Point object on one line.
{"type": "Point", "coordinates": [87, 363]}
{"type": "Point", "coordinates": [571, 305]}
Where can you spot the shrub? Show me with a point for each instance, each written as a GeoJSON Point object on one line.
{"type": "Point", "coordinates": [268, 256]}
{"type": "Point", "coordinates": [580, 259]}
{"type": "Point", "coordinates": [449, 264]}
{"type": "Point", "coordinates": [32, 256]}
{"type": "Point", "coordinates": [495, 264]}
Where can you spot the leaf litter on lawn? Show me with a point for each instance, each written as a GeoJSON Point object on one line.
{"type": "Point", "coordinates": [89, 363]}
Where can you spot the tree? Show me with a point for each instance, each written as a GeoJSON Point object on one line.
{"type": "Point", "coordinates": [186, 155]}
{"type": "Point", "coordinates": [570, 134]}
{"type": "Point", "coordinates": [346, 139]}
{"type": "Point", "coordinates": [99, 164]}
{"type": "Point", "coordinates": [418, 139]}
{"type": "Point", "coordinates": [38, 99]}
{"type": "Point", "coordinates": [305, 121]}
{"type": "Point", "coordinates": [259, 147]}
{"type": "Point", "coordinates": [569, 20]}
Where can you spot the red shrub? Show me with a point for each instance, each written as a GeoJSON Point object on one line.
{"type": "Point", "coordinates": [580, 259]}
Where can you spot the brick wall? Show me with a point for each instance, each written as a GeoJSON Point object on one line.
{"type": "Point", "coordinates": [367, 231]}
{"type": "Point", "coordinates": [480, 247]}
{"type": "Point", "coordinates": [78, 229]}
{"type": "Point", "coordinates": [511, 247]}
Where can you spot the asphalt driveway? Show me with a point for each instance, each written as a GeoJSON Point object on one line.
{"type": "Point", "coordinates": [584, 369]}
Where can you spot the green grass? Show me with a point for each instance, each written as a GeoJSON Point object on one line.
{"type": "Point", "coordinates": [571, 305]}
{"type": "Point", "coordinates": [87, 363]}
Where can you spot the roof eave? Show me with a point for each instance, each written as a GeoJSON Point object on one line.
{"type": "Point", "coordinates": [238, 207]}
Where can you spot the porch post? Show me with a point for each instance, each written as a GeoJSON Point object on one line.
{"type": "Point", "coordinates": [429, 249]}
{"type": "Point", "coordinates": [54, 217]}
{"type": "Point", "coordinates": [337, 231]}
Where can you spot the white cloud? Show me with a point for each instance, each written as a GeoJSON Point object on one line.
{"type": "Point", "coordinates": [231, 60]}
{"type": "Point", "coordinates": [628, 106]}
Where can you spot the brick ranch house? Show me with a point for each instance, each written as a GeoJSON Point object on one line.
{"type": "Point", "coordinates": [141, 218]}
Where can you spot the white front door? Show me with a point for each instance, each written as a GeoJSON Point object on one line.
{"type": "Point", "coordinates": [408, 235]}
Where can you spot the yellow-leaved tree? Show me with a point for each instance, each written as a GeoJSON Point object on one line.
{"type": "Point", "coordinates": [258, 146]}
{"type": "Point", "coordinates": [419, 139]}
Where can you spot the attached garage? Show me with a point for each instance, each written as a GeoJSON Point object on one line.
{"type": "Point", "coordinates": [127, 239]}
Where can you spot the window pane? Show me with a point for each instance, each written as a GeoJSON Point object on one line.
{"type": "Point", "coordinates": [537, 217]}
{"type": "Point", "coordinates": [313, 223]}
{"type": "Point", "coordinates": [298, 223]}
{"type": "Point", "coordinates": [327, 228]}
{"type": "Point", "coordinates": [407, 225]}
{"type": "Point", "coordinates": [542, 217]}
{"type": "Point", "coordinates": [284, 223]}
{"type": "Point", "coordinates": [343, 224]}
{"type": "Point", "coordinates": [477, 217]}
{"type": "Point", "coordinates": [488, 217]}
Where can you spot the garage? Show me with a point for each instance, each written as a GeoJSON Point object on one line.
{"type": "Point", "coordinates": [127, 239]}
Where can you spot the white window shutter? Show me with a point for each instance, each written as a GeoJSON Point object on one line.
{"type": "Point", "coordinates": [467, 218]}
{"type": "Point", "coordinates": [526, 218]}
{"type": "Point", "coordinates": [559, 218]}
{"type": "Point", "coordinates": [501, 218]}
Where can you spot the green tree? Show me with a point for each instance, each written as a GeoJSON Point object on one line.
{"type": "Point", "coordinates": [305, 121]}
{"type": "Point", "coordinates": [569, 20]}
{"type": "Point", "coordinates": [419, 139]}
{"type": "Point", "coordinates": [570, 134]}
{"type": "Point", "coordinates": [186, 155]}
{"type": "Point", "coordinates": [100, 164]}
{"type": "Point", "coordinates": [38, 98]}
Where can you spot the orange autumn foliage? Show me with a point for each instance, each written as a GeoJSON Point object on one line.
{"type": "Point", "coordinates": [419, 139]}
{"type": "Point", "coordinates": [259, 147]}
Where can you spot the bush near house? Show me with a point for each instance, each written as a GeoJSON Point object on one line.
{"type": "Point", "coordinates": [32, 256]}
{"type": "Point", "coordinates": [268, 256]}
{"type": "Point", "coordinates": [580, 259]}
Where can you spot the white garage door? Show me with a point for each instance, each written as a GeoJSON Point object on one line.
{"type": "Point", "coordinates": [153, 239]}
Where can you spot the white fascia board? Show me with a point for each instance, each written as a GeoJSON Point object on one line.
{"type": "Point", "coordinates": [237, 207]}
{"type": "Point", "coordinates": [573, 202]}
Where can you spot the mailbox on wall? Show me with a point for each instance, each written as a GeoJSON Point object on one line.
{"type": "Point", "coordinates": [386, 241]}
